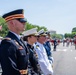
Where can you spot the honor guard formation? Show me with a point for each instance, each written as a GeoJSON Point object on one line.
{"type": "Point", "coordinates": [26, 54]}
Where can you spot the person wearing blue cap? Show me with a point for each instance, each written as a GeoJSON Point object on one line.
{"type": "Point", "coordinates": [13, 51]}
{"type": "Point", "coordinates": [47, 46]}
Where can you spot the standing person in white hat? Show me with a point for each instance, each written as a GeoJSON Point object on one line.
{"type": "Point", "coordinates": [45, 65]}
{"type": "Point", "coordinates": [30, 36]}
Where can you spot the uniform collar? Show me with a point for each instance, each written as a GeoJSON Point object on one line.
{"type": "Point", "coordinates": [30, 46]}
{"type": "Point", "coordinates": [39, 43]}
{"type": "Point", "coordinates": [18, 36]}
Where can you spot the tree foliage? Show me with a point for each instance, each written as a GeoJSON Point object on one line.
{"type": "Point", "coordinates": [30, 26]}
{"type": "Point", "coordinates": [59, 36]}
{"type": "Point", "coordinates": [4, 30]}
{"type": "Point", "coordinates": [72, 34]}
{"type": "Point", "coordinates": [74, 29]}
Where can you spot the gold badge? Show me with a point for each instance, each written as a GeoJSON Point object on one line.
{"type": "Point", "coordinates": [37, 46]}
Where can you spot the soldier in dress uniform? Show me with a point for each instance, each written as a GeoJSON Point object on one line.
{"type": "Point", "coordinates": [47, 46]}
{"type": "Point", "coordinates": [43, 60]}
{"type": "Point", "coordinates": [55, 44]}
{"type": "Point", "coordinates": [30, 37]}
{"type": "Point", "coordinates": [13, 52]}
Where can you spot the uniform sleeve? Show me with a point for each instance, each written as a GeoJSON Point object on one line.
{"type": "Point", "coordinates": [45, 66]}
{"type": "Point", "coordinates": [33, 61]}
{"type": "Point", "coordinates": [8, 57]}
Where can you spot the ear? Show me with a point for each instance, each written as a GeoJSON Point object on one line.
{"type": "Point", "coordinates": [12, 23]}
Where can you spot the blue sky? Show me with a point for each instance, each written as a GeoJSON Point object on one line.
{"type": "Point", "coordinates": [59, 15]}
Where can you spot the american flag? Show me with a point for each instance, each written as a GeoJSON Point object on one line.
{"type": "Point", "coordinates": [1, 27]}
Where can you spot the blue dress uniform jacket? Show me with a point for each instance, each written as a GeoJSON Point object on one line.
{"type": "Point", "coordinates": [55, 44]}
{"type": "Point", "coordinates": [48, 48]}
{"type": "Point", "coordinates": [13, 56]}
{"type": "Point", "coordinates": [48, 51]}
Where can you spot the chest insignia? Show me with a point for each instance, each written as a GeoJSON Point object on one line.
{"type": "Point", "coordinates": [20, 48]}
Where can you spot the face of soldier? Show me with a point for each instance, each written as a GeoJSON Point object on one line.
{"type": "Point", "coordinates": [20, 27]}
{"type": "Point", "coordinates": [32, 39]}
{"type": "Point", "coordinates": [48, 38]}
{"type": "Point", "coordinates": [42, 39]}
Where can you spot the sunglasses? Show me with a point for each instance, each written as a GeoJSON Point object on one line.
{"type": "Point", "coordinates": [20, 20]}
{"type": "Point", "coordinates": [43, 36]}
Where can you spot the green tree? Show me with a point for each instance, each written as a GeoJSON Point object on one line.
{"type": "Point", "coordinates": [74, 29]}
{"type": "Point", "coordinates": [4, 30]}
{"type": "Point", "coordinates": [58, 36]}
{"type": "Point", "coordinates": [30, 26]}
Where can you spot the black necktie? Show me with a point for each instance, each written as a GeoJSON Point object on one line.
{"type": "Point", "coordinates": [21, 41]}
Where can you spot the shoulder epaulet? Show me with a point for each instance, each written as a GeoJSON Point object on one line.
{"type": "Point", "coordinates": [37, 46]}
{"type": "Point", "coordinates": [7, 38]}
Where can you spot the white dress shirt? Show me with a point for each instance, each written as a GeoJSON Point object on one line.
{"type": "Point", "coordinates": [46, 67]}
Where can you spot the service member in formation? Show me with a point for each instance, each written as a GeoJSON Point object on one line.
{"type": "Point", "coordinates": [55, 44]}
{"type": "Point", "coordinates": [43, 60]}
{"type": "Point", "coordinates": [30, 37]}
{"type": "Point", "coordinates": [47, 46]}
{"type": "Point", "coordinates": [13, 52]}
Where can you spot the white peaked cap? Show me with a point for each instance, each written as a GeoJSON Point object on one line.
{"type": "Point", "coordinates": [32, 31]}
{"type": "Point", "coordinates": [41, 32]}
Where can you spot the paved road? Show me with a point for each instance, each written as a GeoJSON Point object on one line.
{"type": "Point", "coordinates": [64, 60]}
